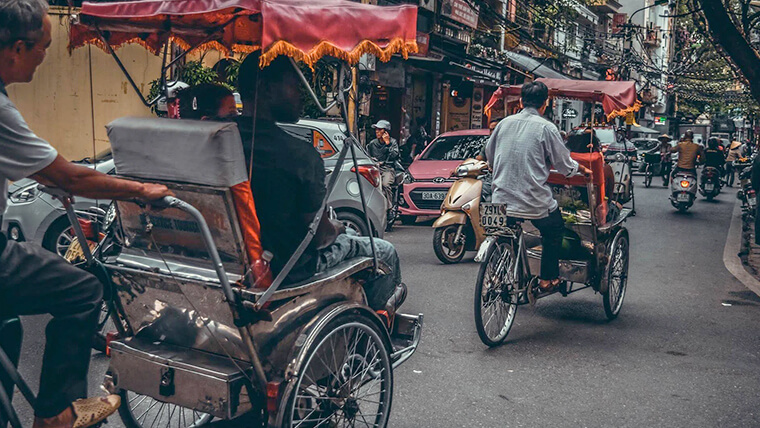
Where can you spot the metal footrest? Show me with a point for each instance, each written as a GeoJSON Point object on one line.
{"type": "Point", "coordinates": [569, 270]}
{"type": "Point", "coordinates": [192, 379]}
{"type": "Point", "coordinates": [407, 330]}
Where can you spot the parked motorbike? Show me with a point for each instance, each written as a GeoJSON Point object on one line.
{"type": "Point", "coordinates": [393, 212]}
{"type": "Point", "coordinates": [747, 194]}
{"type": "Point", "coordinates": [621, 166]}
{"type": "Point", "coordinates": [458, 228]}
{"type": "Point", "coordinates": [710, 182]}
{"type": "Point", "coordinates": [683, 188]}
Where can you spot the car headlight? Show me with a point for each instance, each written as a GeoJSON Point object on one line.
{"type": "Point", "coordinates": [25, 195]}
{"type": "Point", "coordinates": [408, 179]}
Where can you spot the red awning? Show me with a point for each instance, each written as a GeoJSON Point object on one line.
{"type": "Point", "coordinates": [303, 29]}
{"type": "Point", "coordinates": [617, 98]}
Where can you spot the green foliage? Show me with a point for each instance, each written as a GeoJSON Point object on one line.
{"type": "Point", "coordinates": [192, 73]}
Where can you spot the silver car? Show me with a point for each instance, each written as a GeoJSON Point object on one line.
{"type": "Point", "coordinates": [327, 137]}
{"type": "Point", "coordinates": [33, 216]}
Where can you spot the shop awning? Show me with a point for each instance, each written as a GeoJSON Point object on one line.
{"type": "Point", "coordinates": [534, 66]}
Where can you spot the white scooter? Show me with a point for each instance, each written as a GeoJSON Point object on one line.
{"type": "Point", "coordinates": [623, 190]}
{"type": "Point", "coordinates": [683, 190]}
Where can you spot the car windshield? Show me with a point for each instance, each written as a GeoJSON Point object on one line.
{"type": "Point", "coordinates": [606, 136]}
{"type": "Point", "coordinates": [645, 144]}
{"type": "Point", "coordinates": [455, 147]}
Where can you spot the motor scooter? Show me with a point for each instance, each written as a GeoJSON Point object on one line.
{"type": "Point", "coordinates": [623, 189]}
{"type": "Point", "coordinates": [458, 229]}
{"type": "Point", "coordinates": [683, 190]}
{"type": "Point", "coordinates": [710, 182]}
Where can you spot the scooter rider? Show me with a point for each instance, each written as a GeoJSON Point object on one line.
{"type": "Point", "coordinates": [522, 150]}
{"type": "Point", "coordinates": [689, 154]}
{"type": "Point", "coordinates": [33, 280]}
{"type": "Point", "coordinates": [713, 155]}
{"type": "Point", "coordinates": [384, 149]}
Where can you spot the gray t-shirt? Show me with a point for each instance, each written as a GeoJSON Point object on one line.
{"type": "Point", "coordinates": [22, 152]}
{"type": "Point", "coordinates": [522, 150]}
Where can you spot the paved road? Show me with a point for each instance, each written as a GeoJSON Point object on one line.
{"type": "Point", "coordinates": [676, 356]}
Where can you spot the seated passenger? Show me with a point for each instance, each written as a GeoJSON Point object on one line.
{"type": "Point", "coordinates": [288, 184]}
{"type": "Point", "coordinates": [713, 155]}
{"type": "Point", "coordinates": [207, 101]}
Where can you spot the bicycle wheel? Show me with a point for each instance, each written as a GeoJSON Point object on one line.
{"type": "Point", "coordinates": [648, 177]}
{"type": "Point", "coordinates": [105, 326]}
{"type": "Point", "coordinates": [141, 411]}
{"type": "Point", "coordinates": [495, 294]}
{"type": "Point", "coordinates": [616, 276]}
{"type": "Point", "coordinates": [347, 379]}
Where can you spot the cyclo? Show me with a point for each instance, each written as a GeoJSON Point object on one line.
{"type": "Point", "coordinates": [197, 339]}
{"type": "Point", "coordinates": [595, 244]}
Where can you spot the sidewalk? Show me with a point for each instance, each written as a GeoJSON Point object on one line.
{"type": "Point", "coordinates": [740, 255]}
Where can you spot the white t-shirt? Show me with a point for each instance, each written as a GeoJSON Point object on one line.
{"type": "Point", "coordinates": [22, 152]}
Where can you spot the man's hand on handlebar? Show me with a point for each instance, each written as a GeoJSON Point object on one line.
{"type": "Point", "coordinates": [153, 192]}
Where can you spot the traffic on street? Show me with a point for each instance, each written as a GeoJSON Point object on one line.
{"type": "Point", "coordinates": [337, 213]}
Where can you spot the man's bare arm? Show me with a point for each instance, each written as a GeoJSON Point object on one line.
{"type": "Point", "coordinates": [87, 182]}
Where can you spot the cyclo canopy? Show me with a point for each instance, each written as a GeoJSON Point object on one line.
{"type": "Point", "coordinates": [617, 98]}
{"type": "Point", "coordinates": [303, 30]}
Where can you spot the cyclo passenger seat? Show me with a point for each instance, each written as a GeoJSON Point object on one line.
{"type": "Point", "coordinates": [178, 320]}
{"type": "Point", "coordinates": [595, 162]}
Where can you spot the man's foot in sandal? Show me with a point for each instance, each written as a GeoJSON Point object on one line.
{"type": "Point", "coordinates": [83, 413]}
{"type": "Point", "coordinates": [548, 285]}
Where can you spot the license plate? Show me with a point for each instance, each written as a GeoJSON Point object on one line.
{"type": "Point", "coordinates": [433, 196]}
{"type": "Point", "coordinates": [683, 197]}
{"type": "Point", "coordinates": [493, 215]}
{"type": "Point", "coordinates": [709, 187]}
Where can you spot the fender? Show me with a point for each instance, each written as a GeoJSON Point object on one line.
{"type": "Point", "coordinates": [450, 217]}
{"type": "Point", "coordinates": [308, 336]}
{"type": "Point", "coordinates": [484, 248]}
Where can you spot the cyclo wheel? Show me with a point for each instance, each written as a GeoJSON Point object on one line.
{"type": "Point", "coordinates": [616, 276]}
{"type": "Point", "coordinates": [141, 411]}
{"type": "Point", "coordinates": [495, 293]}
{"type": "Point", "coordinates": [346, 379]}
{"type": "Point", "coordinates": [648, 177]}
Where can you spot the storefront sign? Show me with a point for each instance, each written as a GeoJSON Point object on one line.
{"type": "Point", "coordinates": [459, 114]}
{"type": "Point", "coordinates": [460, 11]}
{"type": "Point", "coordinates": [423, 43]}
{"type": "Point", "coordinates": [660, 120]}
{"type": "Point", "coordinates": [618, 21]}
{"type": "Point", "coordinates": [570, 113]}
{"type": "Point", "coordinates": [476, 117]}
{"type": "Point", "coordinates": [428, 4]}
{"type": "Point", "coordinates": [492, 74]}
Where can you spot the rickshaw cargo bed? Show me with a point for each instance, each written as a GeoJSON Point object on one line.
{"type": "Point", "coordinates": [192, 379]}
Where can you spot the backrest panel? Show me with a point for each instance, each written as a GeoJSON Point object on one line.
{"type": "Point", "coordinates": [173, 234]}
{"type": "Point", "coordinates": [188, 151]}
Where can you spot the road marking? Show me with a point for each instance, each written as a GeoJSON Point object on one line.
{"type": "Point", "coordinates": [732, 248]}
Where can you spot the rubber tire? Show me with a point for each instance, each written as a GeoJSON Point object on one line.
{"type": "Point", "coordinates": [359, 224]}
{"type": "Point", "coordinates": [128, 419]}
{"type": "Point", "coordinates": [440, 252]}
{"type": "Point", "coordinates": [608, 309]}
{"type": "Point", "coordinates": [648, 181]}
{"type": "Point", "coordinates": [408, 220]}
{"type": "Point", "coordinates": [478, 293]}
{"type": "Point", "coordinates": [338, 321]}
{"type": "Point", "coordinates": [54, 231]}
{"type": "Point", "coordinates": [710, 197]}
{"type": "Point", "coordinates": [682, 208]}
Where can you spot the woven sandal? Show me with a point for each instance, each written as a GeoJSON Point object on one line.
{"type": "Point", "coordinates": [92, 411]}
